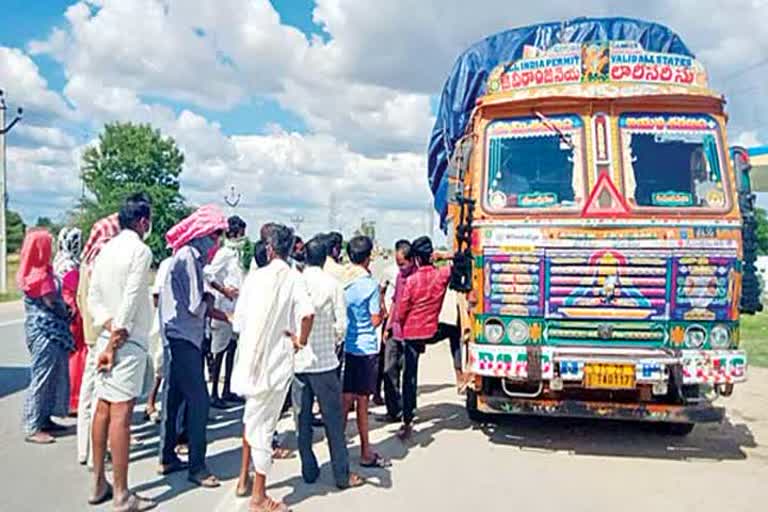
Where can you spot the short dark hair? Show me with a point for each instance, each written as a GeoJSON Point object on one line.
{"type": "Point", "coordinates": [403, 246]}
{"type": "Point", "coordinates": [266, 229]}
{"type": "Point", "coordinates": [281, 239]}
{"type": "Point", "coordinates": [235, 226]}
{"type": "Point", "coordinates": [297, 252]}
{"type": "Point", "coordinates": [335, 240]}
{"type": "Point", "coordinates": [359, 249]}
{"type": "Point", "coordinates": [260, 254]}
{"type": "Point", "coordinates": [135, 207]}
{"type": "Point", "coordinates": [316, 251]}
{"type": "Point", "coordinates": [421, 249]}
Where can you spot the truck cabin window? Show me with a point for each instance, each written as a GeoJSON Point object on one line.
{"type": "Point", "coordinates": [673, 167]}
{"type": "Point", "coordinates": [534, 163]}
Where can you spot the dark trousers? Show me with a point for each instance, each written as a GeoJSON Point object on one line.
{"type": "Point", "coordinates": [184, 383]}
{"type": "Point", "coordinates": [326, 387]}
{"type": "Point", "coordinates": [412, 350]}
{"type": "Point", "coordinates": [393, 368]}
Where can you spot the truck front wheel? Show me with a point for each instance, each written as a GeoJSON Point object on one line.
{"type": "Point", "coordinates": [474, 414]}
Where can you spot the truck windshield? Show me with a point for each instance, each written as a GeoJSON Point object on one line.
{"type": "Point", "coordinates": [531, 166]}
{"type": "Point", "coordinates": [672, 160]}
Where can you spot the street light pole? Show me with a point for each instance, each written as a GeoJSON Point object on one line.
{"type": "Point", "coordinates": [233, 199]}
{"type": "Point", "coordinates": [3, 193]}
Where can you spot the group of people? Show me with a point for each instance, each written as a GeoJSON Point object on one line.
{"type": "Point", "coordinates": [294, 323]}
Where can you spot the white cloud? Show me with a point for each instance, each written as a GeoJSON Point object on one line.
{"type": "Point", "coordinates": [363, 91]}
{"type": "Point", "coordinates": [748, 139]}
{"type": "Point", "coordinates": [44, 135]}
{"type": "Point", "coordinates": [21, 79]}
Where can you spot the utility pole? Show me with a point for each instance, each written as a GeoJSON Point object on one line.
{"type": "Point", "coordinates": [3, 192]}
{"type": "Point", "coordinates": [297, 220]}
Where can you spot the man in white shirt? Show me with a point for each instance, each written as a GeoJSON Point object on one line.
{"type": "Point", "coordinates": [118, 299]}
{"type": "Point", "coordinates": [156, 345]}
{"type": "Point", "coordinates": [225, 276]}
{"type": "Point", "coordinates": [315, 370]}
{"type": "Point", "coordinates": [271, 302]}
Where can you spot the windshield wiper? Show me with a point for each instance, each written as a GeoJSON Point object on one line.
{"type": "Point", "coordinates": [564, 137]}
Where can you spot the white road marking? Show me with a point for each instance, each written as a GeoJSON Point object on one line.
{"type": "Point", "coordinates": [11, 322]}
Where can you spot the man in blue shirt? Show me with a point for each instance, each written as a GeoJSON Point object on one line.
{"type": "Point", "coordinates": [365, 313]}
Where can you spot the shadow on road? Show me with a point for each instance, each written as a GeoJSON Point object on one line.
{"type": "Point", "coordinates": [13, 379]}
{"type": "Point", "coordinates": [724, 441]}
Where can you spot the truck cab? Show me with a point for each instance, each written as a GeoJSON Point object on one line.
{"type": "Point", "coordinates": [597, 210]}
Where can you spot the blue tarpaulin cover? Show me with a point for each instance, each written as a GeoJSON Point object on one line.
{"type": "Point", "coordinates": [468, 78]}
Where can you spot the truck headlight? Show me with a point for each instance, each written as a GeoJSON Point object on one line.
{"type": "Point", "coordinates": [517, 331]}
{"type": "Point", "coordinates": [695, 336]}
{"type": "Point", "coordinates": [720, 336]}
{"type": "Point", "coordinates": [493, 330]}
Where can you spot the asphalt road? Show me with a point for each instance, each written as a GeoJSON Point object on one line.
{"type": "Point", "coordinates": [524, 464]}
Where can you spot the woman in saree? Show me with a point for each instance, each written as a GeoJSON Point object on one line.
{"type": "Point", "coordinates": [48, 338]}
{"type": "Point", "coordinates": [66, 266]}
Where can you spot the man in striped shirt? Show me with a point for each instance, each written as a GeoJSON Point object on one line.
{"type": "Point", "coordinates": [315, 370]}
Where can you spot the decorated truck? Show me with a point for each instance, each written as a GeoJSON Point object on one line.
{"type": "Point", "coordinates": [583, 173]}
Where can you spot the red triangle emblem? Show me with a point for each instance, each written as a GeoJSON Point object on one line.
{"type": "Point", "coordinates": [605, 200]}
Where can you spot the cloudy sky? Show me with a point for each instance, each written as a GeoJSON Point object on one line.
{"type": "Point", "coordinates": [297, 102]}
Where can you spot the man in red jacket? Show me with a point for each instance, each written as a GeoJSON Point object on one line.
{"type": "Point", "coordinates": [418, 312]}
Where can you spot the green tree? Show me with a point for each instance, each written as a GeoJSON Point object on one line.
{"type": "Point", "coordinates": [132, 158]}
{"type": "Point", "coordinates": [762, 231]}
{"type": "Point", "coordinates": [15, 229]}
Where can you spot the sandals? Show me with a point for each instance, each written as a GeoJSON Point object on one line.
{"type": "Point", "coordinates": [40, 438]}
{"type": "Point", "coordinates": [405, 433]}
{"type": "Point", "coordinates": [106, 496]}
{"type": "Point", "coordinates": [246, 491]}
{"type": "Point", "coordinates": [173, 467]}
{"type": "Point", "coordinates": [355, 480]}
{"type": "Point", "coordinates": [208, 481]}
{"type": "Point", "coordinates": [135, 503]}
{"type": "Point", "coordinates": [269, 506]}
{"type": "Point", "coordinates": [280, 453]}
{"type": "Point", "coordinates": [377, 462]}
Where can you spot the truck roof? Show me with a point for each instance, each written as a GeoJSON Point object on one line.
{"type": "Point", "coordinates": [526, 59]}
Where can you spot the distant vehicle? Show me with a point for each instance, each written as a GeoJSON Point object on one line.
{"type": "Point", "coordinates": [582, 169]}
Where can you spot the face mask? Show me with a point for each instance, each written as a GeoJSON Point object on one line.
{"type": "Point", "coordinates": [148, 232]}
{"type": "Point", "coordinates": [213, 247]}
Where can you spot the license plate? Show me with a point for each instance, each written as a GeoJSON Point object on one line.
{"type": "Point", "coordinates": [609, 376]}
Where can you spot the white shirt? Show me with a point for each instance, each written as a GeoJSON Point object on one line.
{"type": "Point", "coordinates": [271, 301]}
{"type": "Point", "coordinates": [329, 326]}
{"type": "Point", "coordinates": [157, 287]}
{"type": "Point", "coordinates": [225, 270]}
{"type": "Point", "coordinates": [119, 288]}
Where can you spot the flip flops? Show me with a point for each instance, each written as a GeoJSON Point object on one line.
{"type": "Point", "coordinates": [207, 481]}
{"type": "Point", "coordinates": [136, 503]}
{"type": "Point", "coordinates": [377, 462]}
{"type": "Point", "coordinates": [174, 467]}
{"type": "Point", "coordinates": [40, 438]}
{"type": "Point", "coordinates": [106, 496]}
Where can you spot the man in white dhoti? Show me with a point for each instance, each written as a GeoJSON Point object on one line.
{"type": "Point", "coordinates": [118, 299]}
{"type": "Point", "coordinates": [271, 301]}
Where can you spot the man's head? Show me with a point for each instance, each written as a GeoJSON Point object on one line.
{"type": "Point", "coordinates": [421, 251]}
{"type": "Point", "coordinates": [316, 251]}
{"type": "Point", "coordinates": [297, 254]}
{"type": "Point", "coordinates": [335, 241]}
{"type": "Point", "coordinates": [260, 255]}
{"type": "Point", "coordinates": [266, 229]}
{"type": "Point", "coordinates": [136, 214]}
{"type": "Point", "coordinates": [402, 253]}
{"type": "Point", "coordinates": [279, 242]}
{"type": "Point", "coordinates": [235, 227]}
{"type": "Point", "coordinates": [359, 250]}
